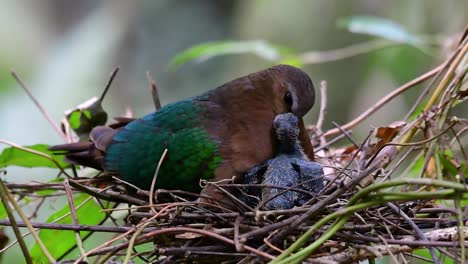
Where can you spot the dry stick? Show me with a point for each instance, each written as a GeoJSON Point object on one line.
{"type": "Point", "coordinates": [134, 229]}
{"type": "Point", "coordinates": [216, 249]}
{"type": "Point", "coordinates": [236, 201]}
{"type": "Point", "coordinates": [19, 237]}
{"type": "Point", "coordinates": [38, 105]}
{"type": "Point", "coordinates": [71, 203]}
{"type": "Point", "coordinates": [323, 105]}
{"type": "Point", "coordinates": [149, 236]}
{"type": "Point", "coordinates": [108, 195]}
{"type": "Point", "coordinates": [407, 241]}
{"type": "Point", "coordinates": [345, 133]}
{"type": "Point", "coordinates": [384, 100]}
{"type": "Point", "coordinates": [113, 74]}
{"type": "Point", "coordinates": [323, 111]}
{"type": "Point", "coordinates": [395, 260]}
{"type": "Point", "coordinates": [332, 141]}
{"type": "Point", "coordinates": [73, 227]}
{"type": "Point", "coordinates": [154, 91]}
{"type": "Point", "coordinates": [153, 182]}
{"type": "Point", "coordinates": [237, 244]}
{"type": "Point", "coordinates": [418, 231]}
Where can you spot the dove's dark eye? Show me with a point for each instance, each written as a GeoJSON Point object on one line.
{"type": "Point", "coordinates": [288, 99]}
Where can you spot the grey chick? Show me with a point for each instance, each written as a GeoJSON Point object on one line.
{"type": "Point", "coordinates": [290, 168]}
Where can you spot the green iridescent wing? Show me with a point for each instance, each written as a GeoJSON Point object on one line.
{"type": "Point", "coordinates": [192, 153]}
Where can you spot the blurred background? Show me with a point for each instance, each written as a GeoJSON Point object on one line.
{"type": "Point", "coordinates": [65, 51]}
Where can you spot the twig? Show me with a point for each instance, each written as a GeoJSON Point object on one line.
{"type": "Point", "coordinates": [154, 91]}
{"type": "Point", "coordinates": [38, 105]}
{"type": "Point", "coordinates": [74, 217]}
{"type": "Point", "coordinates": [113, 74]}
{"type": "Point", "coordinates": [237, 243]}
{"type": "Point", "coordinates": [149, 236]}
{"type": "Point", "coordinates": [323, 105]}
{"type": "Point", "coordinates": [345, 133]}
{"type": "Point", "coordinates": [418, 231]}
{"type": "Point", "coordinates": [73, 227]}
{"type": "Point", "coordinates": [155, 177]}
{"type": "Point", "coordinates": [99, 248]}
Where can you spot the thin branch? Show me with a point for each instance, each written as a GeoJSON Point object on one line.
{"type": "Point", "coordinates": [38, 105]}
{"type": "Point", "coordinates": [154, 91]}
{"type": "Point", "coordinates": [418, 231]}
{"type": "Point", "coordinates": [151, 235]}
{"type": "Point", "coordinates": [109, 83]}
{"type": "Point", "coordinates": [153, 182]}
{"type": "Point", "coordinates": [323, 105]}
{"type": "Point", "coordinates": [71, 204]}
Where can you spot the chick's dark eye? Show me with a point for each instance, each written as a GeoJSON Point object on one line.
{"type": "Point", "coordinates": [288, 98]}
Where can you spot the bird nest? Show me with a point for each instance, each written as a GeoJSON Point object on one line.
{"type": "Point", "coordinates": [401, 189]}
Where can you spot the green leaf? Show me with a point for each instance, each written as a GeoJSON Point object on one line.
{"type": "Point", "coordinates": [86, 116]}
{"type": "Point", "coordinates": [208, 50]}
{"type": "Point", "coordinates": [58, 242]}
{"type": "Point", "coordinates": [416, 168]}
{"type": "Point", "coordinates": [379, 27]}
{"type": "Point", "coordinates": [17, 157]}
{"type": "Point", "coordinates": [74, 119]}
{"type": "Point", "coordinates": [293, 61]}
